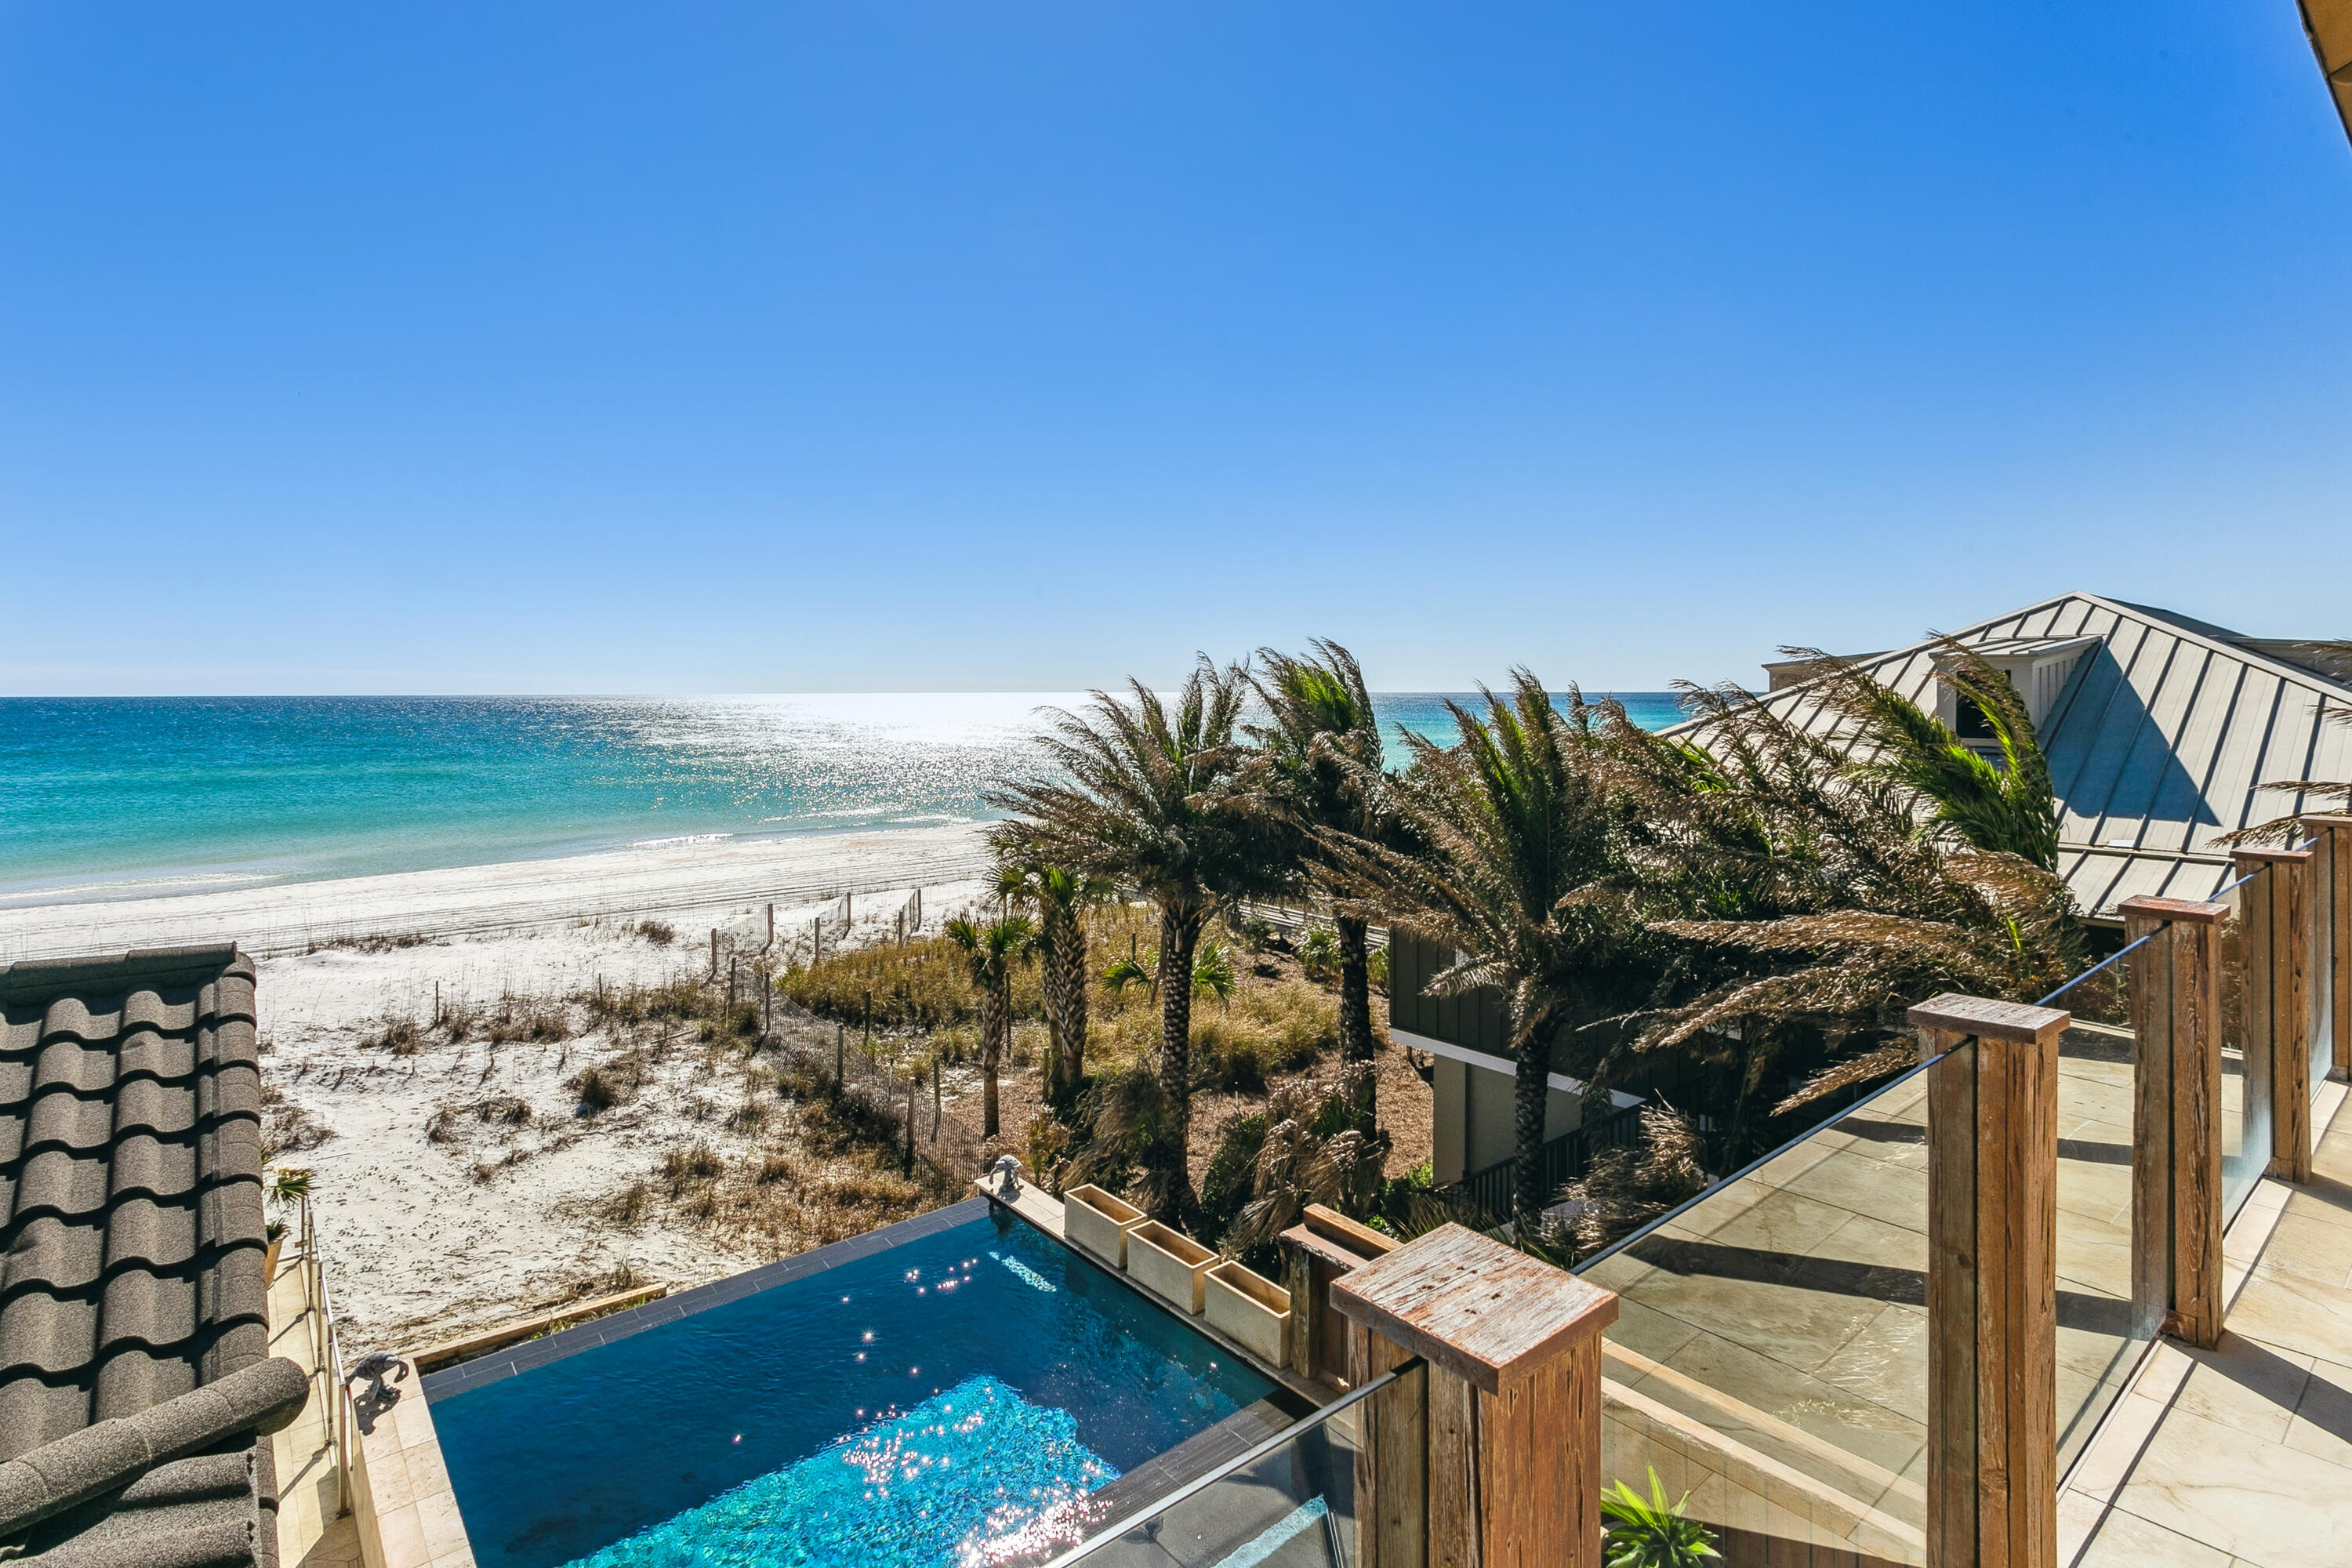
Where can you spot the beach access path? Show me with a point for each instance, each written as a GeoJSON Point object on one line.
{"type": "Point", "coordinates": [720, 878]}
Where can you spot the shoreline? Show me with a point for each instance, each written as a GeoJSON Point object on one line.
{"type": "Point", "coordinates": [725, 879]}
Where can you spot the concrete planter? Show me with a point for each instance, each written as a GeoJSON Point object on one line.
{"type": "Point", "coordinates": [1168, 1264]}
{"type": "Point", "coordinates": [1247, 1309]}
{"type": "Point", "coordinates": [1096, 1222]}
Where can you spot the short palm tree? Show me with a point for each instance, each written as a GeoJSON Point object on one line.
{"type": "Point", "coordinates": [1142, 796]}
{"type": "Point", "coordinates": [992, 950]}
{"type": "Point", "coordinates": [1514, 867]}
{"type": "Point", "coordinates": [1060, 897]}
{"type": "Point", "coordinates": [1316, 764]}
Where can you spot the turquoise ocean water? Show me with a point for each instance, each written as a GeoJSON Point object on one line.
{"type": "Point", "coordinates": [135, 797]}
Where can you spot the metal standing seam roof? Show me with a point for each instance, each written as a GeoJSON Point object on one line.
{"type": "Point", "coordinates": [134, 1366]}
{"type": "Point", "coordinates": [2158, 743]}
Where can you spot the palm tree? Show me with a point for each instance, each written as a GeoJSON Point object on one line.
{"type": "Point", "coordinates": [1142, 797]}
{"type": "Point", "coordinates": [990, 952]}
{"type": "Point", "coordinates": [1799, 906]}
{"type": "Point", "coordinates": [1316, 765]}
{"type": "Point", "coordinates": [1515, 866]}
{"type": "Point", "coordinates": [1059, 895]}
{"type": "Point", "coordinates": [2008, 809]}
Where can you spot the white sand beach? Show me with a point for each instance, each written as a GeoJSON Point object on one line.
{"type": "Point", "coordinates": [505, 1204]}
{"type": "Point", "coordinates": [709, 881]}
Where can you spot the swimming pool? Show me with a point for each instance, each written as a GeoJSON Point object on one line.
{"type": "Point", "coordinates": [942, 1394]}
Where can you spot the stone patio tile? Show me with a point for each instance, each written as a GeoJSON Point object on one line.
{"type": "Point", "coordinates": [1784, 1221]}
{"type": "Point", "coordinates": [2294, 1314]}
{"type": "Point", "coordinates": [1802, 1329]}
{"type": "Point", "coordinates": [1643, 1328]}
{"type": "Point", "coordinates": [2308, 1247]}
{"type": "Point", "coordinates": [1877, 1242]}
{"type": "Point", "coordinates": [2322, 1425]}
{"type": "Point", "coordinates": [1875, 1188]}
{"type": "Point", "coordinates": [2264, 1502]}
{"type": "Point", "coordinates": [2113, 1538]}
{"type": "Point", "coordinates": [1888, 1436]}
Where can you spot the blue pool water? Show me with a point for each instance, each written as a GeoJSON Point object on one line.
{"type": "Point", "coordinates": [929, 1406]}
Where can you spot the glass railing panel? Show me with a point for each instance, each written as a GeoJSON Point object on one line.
{"type": "Point", "coordinates": [1288, 1504]}
{"type": "Point", "coordinates": [1769, 1356]}
{"type": "Point", "coordinates": [2101, 1336]}
{"type": "Point", "coordinates": [2245, 1074]}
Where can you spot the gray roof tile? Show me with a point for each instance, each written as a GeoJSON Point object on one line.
{"type": "Point", "coordinates": [130, 1246]}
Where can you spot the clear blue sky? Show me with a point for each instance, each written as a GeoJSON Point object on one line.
{"type": "Point", "coordinates": [1018, 345]}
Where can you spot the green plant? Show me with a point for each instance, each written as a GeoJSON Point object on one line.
{"type": "Point", "coordinates": [1060, 896]}
{"type": "Point", "coordinates": [1318, 952]}
{"type": "Point", "coordinates": [1213, 971]}
{"type": "Point", "coordinates": [1516, 861]}
{"type": "Point", "coordinates": [1650, 1532]}
{"type": "Point", "coordinates": [992, 952]}
{"type": "Point", "coordinates": [1316, 769]}
{"type": "Point", "coordinates": [1142, 795]}
{"type": "Point", "coordinates": [289, 1187]}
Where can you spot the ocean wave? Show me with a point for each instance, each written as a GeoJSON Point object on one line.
{"type": "Point", "coordinates": [143, 884]}
{"type": "Point", "coordinates": [681, 838]}
{"type": "Point", "coordinates": [931, 816]}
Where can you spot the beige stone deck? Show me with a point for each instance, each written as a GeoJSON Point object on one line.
{"type": "Point", "coordinates": [313, 1530]}
{"type": "Point", "coordinates": [2243, 1454]}
{"type": "Point", "coordinates": [1770, 1355]}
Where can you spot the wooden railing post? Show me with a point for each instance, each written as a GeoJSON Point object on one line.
{"type": "Point", "coordinates": [2176, 1011]}
{"type": "Point", "coordinates": [2275, 912]}
{"type": "Point", "coordinates": [2331, 922]}
{"type": "Point", "coordinates": [1992, 1281]}
{"type": "Point", "coordinates": [1496, 1439]}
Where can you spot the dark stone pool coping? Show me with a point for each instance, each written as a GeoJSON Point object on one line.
{"type": "Point", "coordinates": [469, 1375]}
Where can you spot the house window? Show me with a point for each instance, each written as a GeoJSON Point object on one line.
{"type": "Point", "coordinates": [1969, 720]}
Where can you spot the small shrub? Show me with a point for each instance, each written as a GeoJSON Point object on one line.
{"type": "Point", "coordinates": [1318, 954]}
{"type": "Point", "coordinates": [508, 1108]}
{"type": "Point", "coordinates": [439, 1125]}
{"type": "Point", "coordinates": [696, 1162]}
{"type": "Point", "coordinates": [403, 1036]}
{"type": "Point", "coordinates": [598, 1091]}
{"type": "Point", "coordinates": [775, 1169]}
{"type": "Point", "coordinates": [627, 1206]}
{"type": "Point", "coordinates": [657, 934]}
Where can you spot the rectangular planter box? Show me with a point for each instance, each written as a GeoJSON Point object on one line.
{"type": "Point", "coordinates": [1169, 1263]}
{"type": "Point", "coordinates": [1097, 1223]}
{"type": "Point", "coordinates": [1248, 1308]}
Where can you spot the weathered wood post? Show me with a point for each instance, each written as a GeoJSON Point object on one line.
{"type": "Point", "coordinates": [1488, 1456]}
{"type": "Point", "coordinates": [1324, 1245]}
{"type": "Point", "coordinates": [2331, 922]}
{"type": "Point", "coordinates": [1992, 1281]}
{"type": "Point", "coordinates": [2176, 1011]}
{"type": "Point", "coordinates": [2274, 912]}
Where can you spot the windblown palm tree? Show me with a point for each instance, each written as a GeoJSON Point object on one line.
{"type": "Point", "coordinates": [1316, 764]}
{"type": "Point", "coordinates": [1515, 866]}
{"type": "Point", "coordinates": [2006, 809]}
{"type": "Point", "coordinates": [1143, 798]}
{"type": "Point", "coordinates": [1800, 908]}
{"type": "Point", "coordinates": [1060, 896]}
{"type": "Point", "coordinates": [991, 949]}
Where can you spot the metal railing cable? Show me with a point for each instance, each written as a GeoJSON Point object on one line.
{"type": "Point", "coordinates": [1240, 1461]}
{"type": "Point", "coordinates": [2115, 957]}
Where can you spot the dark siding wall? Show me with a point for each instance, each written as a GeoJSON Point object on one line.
{"type": "Point", "coordinates": [1475, 1021]}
